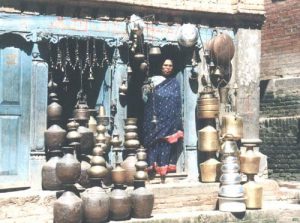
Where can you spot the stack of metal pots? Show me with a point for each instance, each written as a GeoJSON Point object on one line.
{"type": "Point", "coordinates": [120, 202]}
{"type": "Point", "coordinates": [131, 143]}
{"type": "Point", "coordinates": [250, 166]}
{"type": "Point", "coordinates": [142, 198]}
{"type": "Point", "coordinates": [231, 193]}
{"type": "Point", "coordinates": [95, 200]}
{"type": "Point", "coordinates": [208, 141]}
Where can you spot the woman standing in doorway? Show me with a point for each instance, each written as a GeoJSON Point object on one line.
{"type": "Point", "coordinates": [162, 119]}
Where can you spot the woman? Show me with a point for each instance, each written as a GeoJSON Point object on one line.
{"type": "Point", "coordinates": [162, 119]}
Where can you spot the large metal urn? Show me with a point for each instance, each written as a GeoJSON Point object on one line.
{"type": "Point", "coordinates": [129, 165]}
{"type": "Point", "coordinates": [81, 111]}
{"type": "Point", "coordinates": [207, 104]}
{"type": "Point", "coordinates": [68, 167]}
{"type": "Point", "coordinates": [49, 178]}
{"type": "Point", "coordinates": [68, 208]}
{"type": "Point", "coordinates": [87, 140]}
{"type": "Point", "coordinates": [142, 201]}
{"type": "Point", "coordinates": [120, 204]}
{"type": "Point", "coordinates": [54, 137]}
{"type": "Point", "coordinates": [54, 110]}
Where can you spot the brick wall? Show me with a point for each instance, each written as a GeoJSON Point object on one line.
{"type": "Point", "coordinates": [280, 127]}
{"type": "Point", "coordinates": [281, 39]}
{"type": "Point", "coordinates": [280, 93]}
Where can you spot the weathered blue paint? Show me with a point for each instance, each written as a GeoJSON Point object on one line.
{"type": "Point", "coordinates": [15, 102]}
{"type": "Point", "coordinates": [190, 139]}
{"type": "Point", "coordinates": [39, 79]}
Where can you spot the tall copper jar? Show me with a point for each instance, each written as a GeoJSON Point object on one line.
{"type": "Point", "coordinates": [54, 137]}
{"type": "Point", "coordinates": [129, 165]}
{"type": "Point", "coordinates": [95, 204]}
{"type": "Point", "coordinates": [142, 201]}
{"type": "Point", "coordinates": [68, 167]}
{"type": "Point", "coordinates": [68, 208]}
{"type": "Point", "coordinates": [49, 178]}
{"type": "Point", "coordinates": [120, 204]}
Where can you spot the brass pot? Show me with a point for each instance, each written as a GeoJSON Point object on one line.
{"type": "Point", "coordinates": [207, 104]}
{"type": "Point", "coordinates": [115, 141]}
{"type": "Point", "coordinates": [49, 178]}
{"type": "Point", "coordinates": [232, 126]}
{"type": "Point", "coordinates": [132, 144]}
{"type": "Point", "coordinates": [87, 140]}
{"type": "Point", "coordinates": [130, 128]}
{"type": "Point", "coordinates": [118, 175]}
{"type": "Point", "coordinates": [141, 155]}
{"type": "Point", "coordinates": [130, 121]}
{"type": "Point", "coordinates": [131, 135]}
{"type": "Point", "coordinates": [141, 175]}
{"type": "Point", "coordinates": [208, 139]}
{"type": "Point", "coordinates": [210, 170]}
{"type": "Point", "coordinates": [97, 172]}
{"type": "Point", "coordinates": [253, 195]}
{"type": "Point", "coordinates": [229, 147]}
{"type": "Point", "coordinates": [249, 162]}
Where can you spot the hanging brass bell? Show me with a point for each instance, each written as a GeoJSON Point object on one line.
{"type": "Point", "coordinates": [232, 126]}
{"type": "Point", "coordinates": [154, 51]}
{"type": "Point", "coordinates": [154, 120]}
{"type": "Point", "coordinates": [123, 88]}
{"type": "Point", "coordinates": [218, 72]}
{"type": "Point", "coordinates": [143, 67]}
{"type": "Point", "coordinates": [129, 70]}
{"type": "Point", "coordinates": [208, 140]}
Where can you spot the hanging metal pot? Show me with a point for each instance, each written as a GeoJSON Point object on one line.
{"type": "Point", "coordinates": [232, 126]}
{"type": "Point", "coordinates": [208, 139]}
{"type": "Point", "coordinates": [81, 112]}
{"type": "Point", "coordinates": [207, 104]}
{"type": "Point", "coordinates": [187, 35]}
{"type": "Point", "coordinates": [222, 49]}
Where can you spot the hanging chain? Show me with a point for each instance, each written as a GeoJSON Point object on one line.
{"type": "Point", "coordinates": [59, 57]}
{"type": "Point", "coordinates": [105, 58]}
{"type": "Point", "coordinates": [77, 55]}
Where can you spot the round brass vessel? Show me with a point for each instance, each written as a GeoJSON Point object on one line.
{"type": "Point", "coordinates": [232, 125]}
{"type": "Point", "coordinates": [249, 162]}
{"type": "Point", "coordinates": [207, 104]}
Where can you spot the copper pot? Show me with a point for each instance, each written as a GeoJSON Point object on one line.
{"type": "Point", "coordinates": [142, 203]}
{"type": "Point", "coordinates": [232, 126]}
{"type": "Point", "coordinates": [249, 162]}
{"type": "Point", "coordinates": [129, 165]}
{"type": "Point", "coordinates": [208, 139]}
{"type": "Point", "coordinates": [68, 168]}
{"type": "Point", "coordinates": [118, 175]}
{"type": "Point", "coordinates": [54, 137]}
{"type": "Point", "coordinates": [120, 204]}
{"type": "Point", "coordinates": [49, 178]}
{"type": "Point", "coordinates": [87, 140]}
{"type": "Point", "coordinates": [54, 111]}
{"type": "Point", "coordinates": [95, 205]}
{"type": "Point", "coordinates": [68, 208]}
{"type": "Point", "coordinates": [222, 49]}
